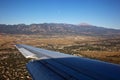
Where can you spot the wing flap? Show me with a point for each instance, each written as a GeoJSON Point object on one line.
{"type": "Point", "coordinates": [26, 53]}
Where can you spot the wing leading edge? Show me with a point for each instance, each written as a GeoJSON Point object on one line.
{"type": "Point", "coordinates": [51, 65]}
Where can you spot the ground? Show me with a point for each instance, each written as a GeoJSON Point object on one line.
{"type": "Point", "coordinates": [12, 63]}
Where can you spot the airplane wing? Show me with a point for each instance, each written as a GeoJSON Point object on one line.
{"type": "Point", "coordinates": [51, 65]}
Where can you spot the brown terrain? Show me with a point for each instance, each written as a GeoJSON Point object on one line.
{"type": "Point", "coordinates": [12, 63]}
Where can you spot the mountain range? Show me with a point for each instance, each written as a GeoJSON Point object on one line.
{"type": "Point", "coordinates": [58, 29]}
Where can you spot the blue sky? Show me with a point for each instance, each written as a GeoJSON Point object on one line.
{"type": "Point", "coordinates": [104, 13]}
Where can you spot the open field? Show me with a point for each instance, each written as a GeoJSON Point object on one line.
{"type": "Point", "coordinates": [12, 63]}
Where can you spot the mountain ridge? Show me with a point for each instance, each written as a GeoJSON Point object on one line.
{"type": "Point", "coordinates": [58, 29]}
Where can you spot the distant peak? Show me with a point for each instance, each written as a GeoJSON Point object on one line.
{"type": "Point", "coordinates": [85, 24]}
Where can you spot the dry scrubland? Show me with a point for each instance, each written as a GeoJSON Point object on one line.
{"type": "Point", "coordinates": [12, 63]}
